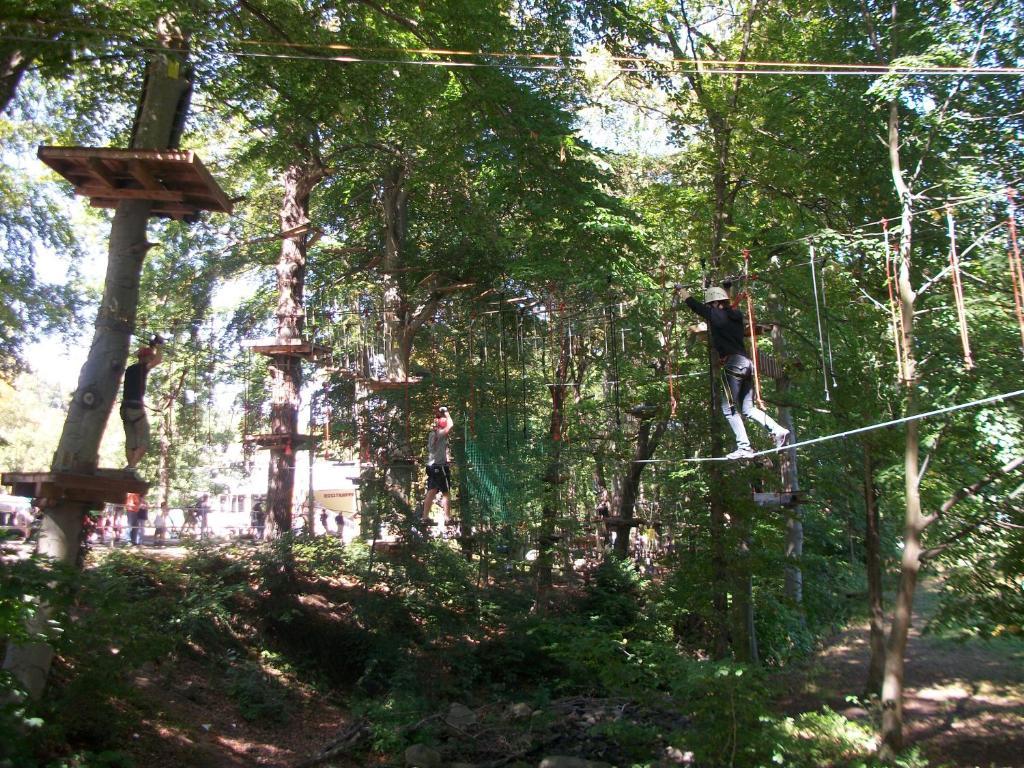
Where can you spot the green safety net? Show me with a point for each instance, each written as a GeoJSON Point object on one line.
{"type": "Point", "coordinates": [495, 468]}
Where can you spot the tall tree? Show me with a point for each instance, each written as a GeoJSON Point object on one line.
{"type": "Point", "coordinates": [77, 451]}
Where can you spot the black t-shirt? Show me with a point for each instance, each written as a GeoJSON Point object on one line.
{"type": "Point", "coordinates": [726, 326]}
{"type": "Point", "coordinates": [134, 383]}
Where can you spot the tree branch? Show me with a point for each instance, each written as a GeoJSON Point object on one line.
{"type": "Point", "coordinates": [972, 490]}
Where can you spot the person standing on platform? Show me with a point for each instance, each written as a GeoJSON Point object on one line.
{"type": "Point", "coordinates": [133, 407]}
{"type": "Point", "coordinates": [439, 474]}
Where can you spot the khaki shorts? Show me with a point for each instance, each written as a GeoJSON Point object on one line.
{"type": "Point", "coordinates": [136, 427]}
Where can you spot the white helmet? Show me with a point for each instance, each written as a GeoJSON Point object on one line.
{"type": "Point", "coordinates": [714, 293]}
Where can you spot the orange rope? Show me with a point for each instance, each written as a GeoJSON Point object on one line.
{"type": "Point", "coordinates": [1016, 272]}
{"type": "Point", "coordinates": [958, 290]}
{"type": "Point", "coordinates": [753, 329]}
{"type": "Point", "coordinates": [897, 321]}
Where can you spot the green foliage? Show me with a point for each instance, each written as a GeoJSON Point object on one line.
{"type": "Point", "coordinates": [826, 738]}
{"type": "Point", "coordinates": [260, 696]}
{"type": "Point", "coordinates": [613, 598]}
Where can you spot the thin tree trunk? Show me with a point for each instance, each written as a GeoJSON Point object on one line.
{"type": "Point", "coordinates": [892, 683]}
{"type": "Point", "coordinates": [794, 547]}
{"type": "Point", "coordinates": [646, 444]}
{"type": "Point", "coordinates": [78, 448]}
{"type": "Point", "coordinates": [13, 65]}
{"type": "Point", "coordinates": [873, 564]}
{"type": "Point", "coordinates": [553, 475]}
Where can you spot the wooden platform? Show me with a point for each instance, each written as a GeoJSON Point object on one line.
{"type": "Point", "coordinates": [379, 385]}
{"type": "Point", "coordinates": [622, 522]}
{"type": "Point", "coordinates": [390, 549]}
{"type": "Point", "coordinates": [275, 440]}
{"type": "Point", "coordinates": [776, 499]}
{"type": "Point", "coordinates": [175, 182]}
{"type": "Point", "coordinates": [291, 347]}
{"type": "Point", "coordinates": [105, 486]}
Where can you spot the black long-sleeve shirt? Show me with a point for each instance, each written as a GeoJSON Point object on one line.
{"type": "Point", "coordinates": [725, 325]}
{"type": "Point", "coordinates": [134, 383]}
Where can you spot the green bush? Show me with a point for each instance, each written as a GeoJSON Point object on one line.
{"type": "Point", "coordinates": [260, 696]}
{"type": "Point", "coordinates": [614, 596]}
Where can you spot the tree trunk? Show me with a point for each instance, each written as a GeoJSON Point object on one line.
{"type": "Point", "coordinates": [553, 476]}
{"type": "Point", "coordinates": [286, 370]}
{"type": "Point", "coordinates": [873, 564]}
{"type": "Point", "coordinates": [744, 637]}
{"type": "Point", "coordinates": [13, 64]}
{"type": "Point", "coordinates": [892, 683]}
{"type": "Point", "coordinates": [164, 460]}
{"type": "Point", "coordinates": [646, 444]}
{"type": "Point", "coordinates": [719, 560]}
{"type": "Point", "coordinates": [394, 198]}
{"type": "Point", "coordinates": [794, 547]}
{"type": "Point", "coordinates": [78, 448]}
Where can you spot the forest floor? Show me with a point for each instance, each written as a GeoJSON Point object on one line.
{"type": "Point", "coordinates": [964, 703]}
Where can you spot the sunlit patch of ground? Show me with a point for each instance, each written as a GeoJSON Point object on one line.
{"type": "Point", "coordinates": [964, 702]}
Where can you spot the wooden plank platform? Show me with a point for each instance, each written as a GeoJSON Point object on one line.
{"type": "Point", "coordinates": [622, 522]}
{"type": "Point", "coordinates": [105, 486]}
{"type": "Point", "coordinates": [379, 385]}
{"type": "Point", "coordinates": [291, 347]}
{"type": "Point", "coordinates": [275, 440]}
{"type": "Point", "coordinates": [775, 499]}
{"type": "Point", "coordinates": [390, 549]}
{"type": "Point", "coordinates": [176, 182]}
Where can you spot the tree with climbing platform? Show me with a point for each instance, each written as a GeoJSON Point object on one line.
{"type": "Point", "coordinates": [75, 483]}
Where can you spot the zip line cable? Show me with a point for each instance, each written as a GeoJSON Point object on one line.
{"type": "Point", "coordinates": [828, 334]}
{"type": "Point", "coordinates": [647, 60]}
{"type": "Point", "coordinates": [821, 339]}
{"type": "Point", "coordinates": [848, 433]}
{"type": "Point", "coordinates": [640, 65]}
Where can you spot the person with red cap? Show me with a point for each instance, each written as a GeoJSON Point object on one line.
{"type": "Point", "coordinates": [439, 475]}
{"type": "Point", "coordinates": [133, 409]}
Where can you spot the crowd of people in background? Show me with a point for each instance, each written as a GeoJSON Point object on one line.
{"type": "Point", "coordinates": [135, 524]}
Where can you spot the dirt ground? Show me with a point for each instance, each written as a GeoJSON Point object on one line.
{"type": "Point", "coordinates": [192, 722]}
{"type": "Point", "coordinates": [964, 702]}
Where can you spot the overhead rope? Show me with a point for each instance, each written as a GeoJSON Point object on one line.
{"type": "Point", "coordinates": [828, 332]}
{"type": "Point", "coordinates": [847, 433]}
{"type": "Point", "coordinates": [637, 63]}
{"type": "Point", "coordinates": [1016, 272]}
{"type": "Point", "coordinates": [821, 337]}
{"type": "Point", "coordinates": [958, 289]}
{"type": "Point", "coordinates": [753, 328]}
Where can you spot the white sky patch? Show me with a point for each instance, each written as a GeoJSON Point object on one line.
{"type": "Point", "coordinates": [615, 123]}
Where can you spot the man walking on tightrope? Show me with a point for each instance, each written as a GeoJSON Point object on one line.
{"type": "Point", "coordinates": [439, 476]}
{"type": "Point", "coordinates": [133, 410]}
{"type": "Point", "coordinates": [725, 324]}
